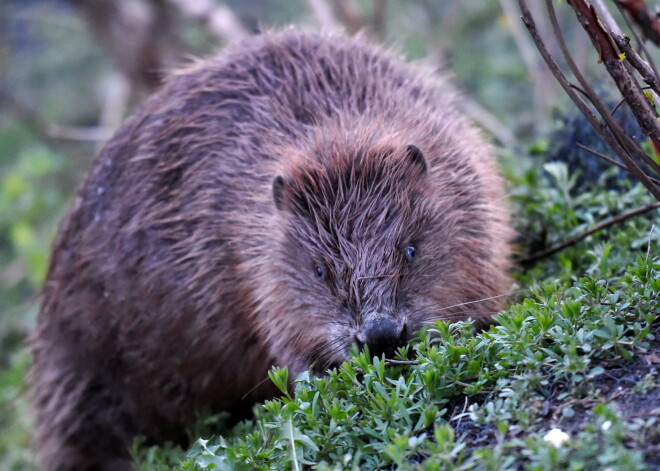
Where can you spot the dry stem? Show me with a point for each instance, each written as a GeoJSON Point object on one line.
{"type": "Point", "coordinates": [649, 23]}
{"type": "Point", "coordinates": [599, 227]}
{"type": "Point", "coordinates": [618, 140]}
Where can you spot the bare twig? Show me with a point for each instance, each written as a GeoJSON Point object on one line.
{"type": "Point", "coordinates": [610, 160]}
{"type": "Point", "coordinates": [639, 105]}
{"type": "Point", "coordinates": [599, 227]}
{"type": "Point", "coordinates": [650, 24]}
{"type": "Point", "coordinates": [584, 108]}
{"type": "Point", "coordinates": [609, 19]}
{"type": "Point", "coordinates": [640, 41]}
{"type": "Point", "coordinates": [647, 73]}
{"type": "Point", "coordinates": [607, 54]}
{"type": "Point", "coordinates": [601, 155]}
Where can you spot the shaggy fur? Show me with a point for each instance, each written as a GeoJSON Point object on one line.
{"type": "Point", "coordinates": [187, 266]}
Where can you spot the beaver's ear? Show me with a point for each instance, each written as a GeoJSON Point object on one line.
{"type": "Point", "coordinates": [416, 158]}
{"type": "Point", "coordinates": [280, 196]}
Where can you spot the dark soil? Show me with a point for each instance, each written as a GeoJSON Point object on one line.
{"type": "Point", "coordinates": [618, 385]}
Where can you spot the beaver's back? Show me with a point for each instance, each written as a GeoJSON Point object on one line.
{"type": "Point", "coordinates": [202, 144]}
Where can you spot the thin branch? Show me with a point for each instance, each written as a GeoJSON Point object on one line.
{"type": "Point", "coordinates": [142, 46]}
{"type": "Point", "coordinates": [610, 160]}
{"type": "Point", "coordinates": [647, 73]}
{"type": "Point", "coordinates": [641, 42]}
{"type": "Point", "coordinates": [619, 133]}
{"type": "Point", "coordinates": [623, 43]}
{"type": "Point", "coordinates": [650, 24]}
{"type": "Point", "coordinates": [607, 51]}
{"type": "Point", "coordinates": [115, 100]}
{"type": "Point", "coordinates": [602, 156]}
{"type": "Point", "coordinates": [584, 108]}
{"type": "Point", "coordinates": [599, 227]}
{"type": "Point", "coordinates": [584, 93]}
{"type": "Point", "coordinates": [609, 19]}
{"type": "Point", "coordinates": [639, 105]}
{"type": "Point", "coordinates": [616, 108]}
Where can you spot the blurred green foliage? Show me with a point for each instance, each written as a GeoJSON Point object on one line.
{"type": "Point", "coordinates": [32, 199]}
{"type": "Point", "coordinates": [31, 202]}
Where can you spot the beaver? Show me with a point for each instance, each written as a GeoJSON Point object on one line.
{"type": "Point", "coordinates": [274, 205]}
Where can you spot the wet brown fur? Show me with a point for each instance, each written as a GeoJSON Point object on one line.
{"type": "Point", "coordinates": [176, 282]}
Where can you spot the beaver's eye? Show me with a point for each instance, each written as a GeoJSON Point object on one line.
{"type": "Point", "coordinates": [410, 253]}
{"type": "Point", "coordinates": [320, 273]}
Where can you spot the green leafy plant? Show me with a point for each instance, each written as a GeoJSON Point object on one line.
{"type": "Point", "coordinates": [422, 413]}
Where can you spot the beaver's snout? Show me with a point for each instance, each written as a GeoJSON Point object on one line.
{"type": "Point", "coordinates": [382, 335]}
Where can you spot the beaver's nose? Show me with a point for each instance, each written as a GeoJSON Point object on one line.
{"type": "Point", "coordinates": [382, 335]}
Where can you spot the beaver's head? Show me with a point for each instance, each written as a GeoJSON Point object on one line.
{"type": "Point", "coordinates": [371, 244]}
